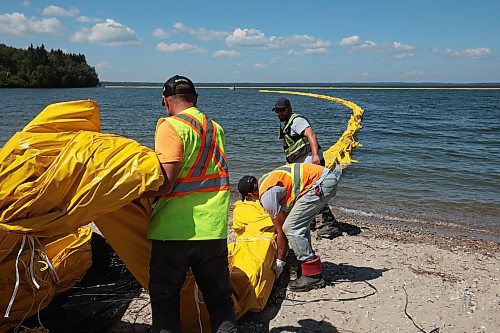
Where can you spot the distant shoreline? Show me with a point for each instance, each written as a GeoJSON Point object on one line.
{"type": "Point", "coordinates": [307, 87]}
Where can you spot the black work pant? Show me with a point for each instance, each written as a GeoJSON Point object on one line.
{"type": "Point", "coordinates": [170, 260]}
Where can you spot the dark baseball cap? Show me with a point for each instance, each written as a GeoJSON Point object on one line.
{"type": "Point", "coordinates": [171, 86]}
{"type": "Point", "coordinates": [247, 185]}
{"type": "Point", "coordinates": [282, 103]}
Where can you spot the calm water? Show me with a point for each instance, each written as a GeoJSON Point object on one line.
{"type": "Point", "coordinates": [429, 157]}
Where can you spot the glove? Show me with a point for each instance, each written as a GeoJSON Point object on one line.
{"type": "Point", "coordinates": [278, 267]}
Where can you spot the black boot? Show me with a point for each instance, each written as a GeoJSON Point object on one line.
{"type": "Point", "coordinates": [330, 227]}
{"type": "Point", "coordinates": [306, 283]}
{"type": "Point", "coordinates": [328, 231]}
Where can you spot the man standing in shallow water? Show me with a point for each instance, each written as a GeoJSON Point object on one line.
{"type": "Point", "coordinates": [301, 146]}
{"type": "Point", "coordinates": [188, 227]}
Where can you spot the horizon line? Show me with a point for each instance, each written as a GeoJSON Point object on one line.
{"type": "Point", "coordinates": [234, 87]}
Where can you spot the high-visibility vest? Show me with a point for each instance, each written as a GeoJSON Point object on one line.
{"type": "Point", "coordinates": [296, 178]}
{"type": "Point", "coordinates": [197, 208]}
{"type": "Point", "coordinates": [295, 145]}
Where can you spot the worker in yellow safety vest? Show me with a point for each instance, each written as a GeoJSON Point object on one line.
{"type": "Point", "coordinates": [292, 195]}
{"type": "Point", "coordinates": [188, 227]}
{"type": "Point", "coordinates": [301, 146]}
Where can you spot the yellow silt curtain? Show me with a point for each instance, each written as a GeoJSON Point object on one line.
{"type": "Point", "coordinates": [57, 175]}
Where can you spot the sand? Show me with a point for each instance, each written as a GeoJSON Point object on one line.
{"type": "Point", "coordinates": [385, 279]}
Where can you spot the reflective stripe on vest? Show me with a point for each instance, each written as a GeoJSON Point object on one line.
{"type": "Point", "coordinates": [297, 178]}
{"type": "Point", "coordinates": [290, 176]}
{"type": "Point", "coordinates": [197, 180]}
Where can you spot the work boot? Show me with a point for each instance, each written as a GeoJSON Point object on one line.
{"type": "Point", "coordinates": [306, 283]}
{"type": "Point", "coordinates": [329, 232]}
{"type": "Point", "coordinates": [327, 216]}
{"type": "Point", "coordinates": [312, 276]}
{"type": "Point", "coordinates": [330, 227]}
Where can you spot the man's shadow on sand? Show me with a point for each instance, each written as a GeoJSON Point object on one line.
{"type": "Point", "coordinates": [333, 273]}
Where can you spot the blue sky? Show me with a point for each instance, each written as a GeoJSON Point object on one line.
{"type": "Point", "coordinates": [267, 41]}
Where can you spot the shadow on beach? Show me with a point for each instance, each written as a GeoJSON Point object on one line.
{"type": "Point", "coordinates": [333, 273]}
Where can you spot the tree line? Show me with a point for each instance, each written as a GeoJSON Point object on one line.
{"type": "Point", "coordinates": [35, 67]}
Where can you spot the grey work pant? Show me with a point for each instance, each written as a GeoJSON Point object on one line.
{"type": "Point", "coordinates": [297, 224]}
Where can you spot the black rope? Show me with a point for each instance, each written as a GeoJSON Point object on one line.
{"type": "Point", "coordinates": [436, 330]}
{"type": "Point", "coordinates": [336, 299]}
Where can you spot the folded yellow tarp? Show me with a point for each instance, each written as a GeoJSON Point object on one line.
{"type": "Point", "coordinates": [57, 174]}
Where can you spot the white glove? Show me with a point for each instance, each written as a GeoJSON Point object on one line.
{"type": "Point", "coordinates": [278, 267]}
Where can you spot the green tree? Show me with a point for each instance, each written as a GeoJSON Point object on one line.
{"type": "Point", "coordinates": [34, 67]}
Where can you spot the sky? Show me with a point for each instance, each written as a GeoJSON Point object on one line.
{"type": "Point", "coordinates": [449, 41]}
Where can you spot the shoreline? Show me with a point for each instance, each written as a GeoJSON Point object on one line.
{"type": "Point", "coordinates": [436, 228]}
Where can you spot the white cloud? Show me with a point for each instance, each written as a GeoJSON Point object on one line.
{"type": "Point", "coordinates": [402, 47]}
{"type": "Point", "coordinates": [18, 25]}
{"type": "Point", "coordinates": [58, 11]}
{"type": "Point", "coordinates": [404, 55]}
{"type": "Point", "coordinates": [160, 33]}
{"type": "Point", "coordinates": [108, 33]}
{"type": "Point", "coordinates": [355, 43]}
{"type": "Point", "coordinates": [86, 19]}
{"type": "Point", "coordinates": [201, 33]}
{"type": "Point", "coordinates": [247, 37]}
{"type": "Point", "coordinates": [179, 47]}
{"type": "Point", "coordinates": [260, 66]}
{"type": "Point", "coordinates": [255, 38]}
{"type": "Point", "coordinates": [349, 40]}
{"type": "Point", "coordinates": [26, 3]}
{"type": "Point", "coordinates": [226, 54]}
{"type": "Point", "coordinates": [319, 50]}
{"type": "Point", "coordinates": [366, 45]}
{"type": "Point", "coordinates": [481, 52]}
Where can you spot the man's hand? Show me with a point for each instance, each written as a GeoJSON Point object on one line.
{"type": "Point", "coordinates": [278, 267]}
{"type": "Point", "coordinates": [281, 241]}
{"type": "Point", "coordinates": [315, 159]}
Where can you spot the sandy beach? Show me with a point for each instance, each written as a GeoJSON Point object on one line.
{"type": "Point", "coordinates": [385, 279]}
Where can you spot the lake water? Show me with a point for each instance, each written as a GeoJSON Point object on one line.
{"type": "Point", "coordinates": [429, 157]}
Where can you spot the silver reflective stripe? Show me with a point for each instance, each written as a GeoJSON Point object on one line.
{"type": "Point", "coordinates": [296, 180]}
{"type": "Point", "coordinates": [219, 158]}
{"type": "Point", "coordinates": [192, 122]}
{"type": "Point", "coordinates": [206, 148]}
{"type": "Point", "coordinates": [203, 184]}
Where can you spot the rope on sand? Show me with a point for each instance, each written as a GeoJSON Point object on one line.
{"type": "Point", "coordinates": [436, 330]}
